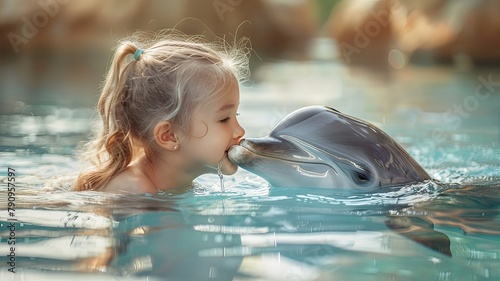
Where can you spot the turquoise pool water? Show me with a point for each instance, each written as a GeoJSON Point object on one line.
{"type": "Point", "coordinates": [444, 229]}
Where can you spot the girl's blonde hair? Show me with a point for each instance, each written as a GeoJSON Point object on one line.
{"type": "Point", "coordinates": [172, 75]}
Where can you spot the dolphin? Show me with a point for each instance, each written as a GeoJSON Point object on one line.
{"type": "Point", "coordinates": [320, 147]}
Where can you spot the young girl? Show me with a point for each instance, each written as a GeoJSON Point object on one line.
{"type": "Point", "coordinates": [168, 110]}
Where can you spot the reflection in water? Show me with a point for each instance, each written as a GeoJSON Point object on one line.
{"type": "Point", "coordinates": [277, 236]}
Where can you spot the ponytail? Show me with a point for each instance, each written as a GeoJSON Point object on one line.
{"type": "Point", "coordinates": [112, 150]}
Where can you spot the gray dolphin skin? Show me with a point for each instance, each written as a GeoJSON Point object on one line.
{"type": "Point", "coordinates": [320, 147]}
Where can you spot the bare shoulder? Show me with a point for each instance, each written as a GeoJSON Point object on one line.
{"type": "Point", "coordinates": [129, 181]}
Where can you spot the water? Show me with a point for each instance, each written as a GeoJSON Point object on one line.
{"type": "Point", "coordinates": [444, 229]}
{"type": "Point", "coordinates": [221, 176]}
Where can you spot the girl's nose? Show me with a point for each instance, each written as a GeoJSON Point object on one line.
{"type": "Point", "coordinates": [239, 132]}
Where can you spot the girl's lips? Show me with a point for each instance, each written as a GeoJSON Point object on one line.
{"type": "Point", "coordinates": [229, 148]}
{"type": "Point", "coordinates": [234, 144]}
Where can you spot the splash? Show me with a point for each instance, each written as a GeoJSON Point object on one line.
{"type": "Point", "coordinates": [221, 176]}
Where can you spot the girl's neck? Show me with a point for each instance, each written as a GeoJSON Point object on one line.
{"type": "Point", "coordinates": [165, 174]}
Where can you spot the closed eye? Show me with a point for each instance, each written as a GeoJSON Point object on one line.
{"type": "Point", "coordinates": [227, 118]}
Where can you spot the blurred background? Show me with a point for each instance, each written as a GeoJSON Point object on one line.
{"type": "Point", "coordinates": [404, 64]}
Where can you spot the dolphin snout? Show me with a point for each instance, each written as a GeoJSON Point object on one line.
{"type": "Point", "coordinates": [240, 155]}
{"type": "Point", "coordinates": [264, 145]}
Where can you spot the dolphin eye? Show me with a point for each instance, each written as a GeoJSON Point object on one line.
{"type": "Point", "coordinates": [361, 178]}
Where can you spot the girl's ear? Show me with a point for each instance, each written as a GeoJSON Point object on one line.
{"type": "Point", "coordinates": [165, 136]}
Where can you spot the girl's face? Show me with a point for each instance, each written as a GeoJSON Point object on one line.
{"type": "Point", "coordinates": [214, 129]}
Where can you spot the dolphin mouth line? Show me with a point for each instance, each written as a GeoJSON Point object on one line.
{"type": "Point", "coordinates": [265, 155]}
{"type": "Point", "coordinates": [296, 163]}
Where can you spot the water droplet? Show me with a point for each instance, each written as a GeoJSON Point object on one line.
{"type": "Point", "coordinates": [221, 176]}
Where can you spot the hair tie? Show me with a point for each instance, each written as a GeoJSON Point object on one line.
{"type": "Point", "coordinates": [138, 53]}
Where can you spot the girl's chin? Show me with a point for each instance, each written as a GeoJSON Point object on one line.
{"type": "Point", "coordinates": [228, 167]}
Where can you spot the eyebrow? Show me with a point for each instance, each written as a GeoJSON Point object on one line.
{"type": "Point", "coordinates": [225, 107]}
